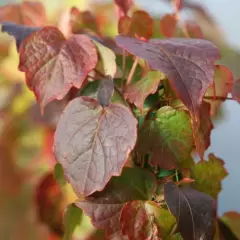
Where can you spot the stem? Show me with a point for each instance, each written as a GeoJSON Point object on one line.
{"type": "Point", "coordinates": [218, 98]}
{"type": "Point", "coordinates": [176, 174]}
{"type": "Point", "coordinates": [132, 71]}
{"type": "Point", "coordinates": [214, 91]}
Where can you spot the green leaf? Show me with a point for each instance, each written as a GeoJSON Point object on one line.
{"type": "Point", "coordinates": [168, 138]}
{"type": "Point", "coordinates": [72, 218]}
{"type": "Point", "coordinates": [138, 91]}
{"type": "Point", "coordinates": [104, 207]}
{"type": "Point", "coordinates": [107, 60]}
{"type": "Point", "coordinates": [232, 220]}
{"type": "Point", "coordinates": [59, 174]}
{"type": "Point", "coordinates": [208, 175]}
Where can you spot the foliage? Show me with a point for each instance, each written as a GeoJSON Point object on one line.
{"type": "Point", "coordinates": [126, 113]}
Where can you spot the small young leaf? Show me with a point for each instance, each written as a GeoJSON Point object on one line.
{"type": "Point", "coordinates": [193, 30]}
{"type": "Point", "coordinates": [123, 6]}
{"type": "Point", "coordinates": [223, 78]}
{"type": "Point", "coordinates": [168, 24]}
{"type": "Point", "coordinates": [236, 90]}
{"type": "Point", "coordinates": [168, 137]}
{"type": "Point", "coordinates": [93, 143]}
{"type": "Point", "coordinates": [195, 211]}
{"type": "Point", "coordinates": [19, 32]}
{"type": "Point", "coordinates": [104, 207]}
{"type": "Point", "coordinates": [208, 175]}
{"type": "Point", "coordinates": [188, 63]}
{"type": "Point", "coordinates": [59, 174]}
{"type": "Point", "coordinates": [72, 218]}
{"type": "Point", "coordinates": [232, 220]}
{"type": "Point", "coordinates": [53, 64]}
{"type": "Point", "coordinates": [202, 129]}
{"type": "Point", "coordinates": [105, 91]}
{"type": "Point", "coordinates": [107, 60]}
{"type": "Point", "coordinates": [138, 91]}
{"type": "Point", "coordinates": [124, 25]}
{"type": "Point", "coordinates": [27, 13]}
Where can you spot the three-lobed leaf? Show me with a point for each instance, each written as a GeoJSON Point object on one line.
{"type": "Point", "coordinates": [168, 138]}
{"type": "Point", "coordinates": [93, 143]}
{"type": "Point", "coordinates": [188, 64]}
{"type": "Point", "coordinates": [195, 211]}
{"type": "Point", "coordinates": [104, 208]}
{"type": "Point", "coordinates": [208, 175]}
{"type": "Point", "coordinates": [53, 64]}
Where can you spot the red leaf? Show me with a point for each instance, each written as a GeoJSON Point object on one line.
{"type": "Point", "coordinates": [195, 211]}
{"type": "Point", "coordinates": [168, 25]}
{"type": "Point", "coordinates": [124, 25]}
{"type": "Point", "coordinates": [202, 129]}
{"type": "Point", "coordinates": [123, 6]}
{"type": "Point", "coordinates": [104, 207]}
{"type": "Point", "coordinates": [26, 13]}
{"type": "Point", "coordinates": [194, 31]}
{"type": "Point", "coordinates": [188, 63]}
{"type": "Point", "coordinates": [236, 90]}
{"type": "Point", "coordinates": [93, 143]}
{"type": "Point", "coordinates": [53, 64]}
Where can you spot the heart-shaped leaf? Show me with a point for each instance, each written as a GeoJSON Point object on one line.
{"type": "Point", "coordinates": [208, 175]}
{"type": "Point", "coordinates": [195, 211]}
{"type": "Point", "coordinates": [53, 64]}
{"type": "Point", "coordinates": [104, 207]}
{"type": "Point", "coordinates": [188, 63]}
{"type": "Point", "coordinates": [93, 143]}
{"type": "Point", "coordinates": [168, 138]}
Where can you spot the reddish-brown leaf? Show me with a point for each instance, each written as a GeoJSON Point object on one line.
{"type": "Point", "coordinates": [93, 143]}
{"type": "Point", "coordinates": [195, 211]}
{"type": "Point", "coordinates": [193, 30]}
{"type": "Point", "coordinates": [26, 13]}
{"type": "Point", "coordinates": [236, 90]}
{"type": "Point", "coordinates": [53, 64]}
{"type": "Point", "coordinates": [223, 80]}
{"type": "Point", "coordinates": [188, 63]}
{"type": "Point", "coordinates": [123, 6]}
{"type": "Point", "coordinates": [104, 207]}
{"type": "Point", "coordinates": [124, 25]}
{"type": "Point", "coordinates": [168, 24]}
{"type": "Point", "coordinates": [202, 129]}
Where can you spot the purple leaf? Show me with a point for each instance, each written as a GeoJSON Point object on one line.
{"type": "Point", "coordinates": [188, 63]}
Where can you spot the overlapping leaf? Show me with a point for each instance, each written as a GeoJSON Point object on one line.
{"type": "Point", "coordinates": [168, 138]}
{"type": "Point", "coordinates": [140, 25]}
{"type": "Point", "coordinates": [123, 6]}
{"type": "Point", "coordinates": [193, 30]}
{"type": "Point", "coordinates": [26, 13]}
{"type": "Point", "coordinates": [223, 79]}
{"type": "Point", "coordinates": [138, 91]}
{"type": "Point", "coordinates": [104, 207]}
{"type": "Point", "coordinates": [53, 64]}
{"type": "Point", "coordinates": [232, 220]}
{"type": "Point", "coordinates": [105, 91]}
{"type": "Point", "coordinates": [188, 63]}
{"type": "Point", "coordinates": [225, 231]}
{"type": "Point", "coordinates": [168, 24]}
{"type": "Point", "coordinates": [236, 90]}
{"type": "Point", "coordinates": [208, 175]}
{"type": "Point", "coordinates": [195, 211]}
{"type": "Point", "coordinates": [93, 143]}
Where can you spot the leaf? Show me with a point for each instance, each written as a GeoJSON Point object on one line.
{"type": "Point", "coordinates": [225, 231]}
{"type": "Point", "coordinates": [193, 29]}
{"type": "Point", "coordinates": [232, 220]}
{"type": "Point", "coordinates": [107, 60]}
{"type": "Point", "coordinates": [208, 175]}
{"type": "Point", "coordinates": [105, 91]}
{"type": "Point", "coordinates": [168, 24]}
{"type": "Point", "coordinates": [72, 218]}
{"type": "Point", "coordinates": [188, 64]}
{"type": "Point", "coordinates": [80, 20]}
{"type": "Point", "coordinates": [104, 207]}
{"type": "Point", "coordinates": [140, 25]}
{"type": "Point", "coordinates": [26, 13]}
{"type": "Point", "coordinates": [123, 6]}
{"type": "Point", "coordinates": [19, 32]}
{"type": "Point", "coordinates": [202, 129]}
{"type": "Point", "coordinates": [236, 90]}
{"type": "Point", "coordinates": [137, 92]}
{"type": "Point", "coordinates": [53, 64]}
{"type": "Point", "coordinates": [93, 143]}
{"type": "Point", "coordinates": [59, 174]}
{"type": "Point", "coordinates": [168, 137]}
{"type": "Point", "coordinates": [177, 4]}
{"type": "Point", "coordinates": [195, 211]}
{"type": "Point", "coordinates": [136, 222]}
{"type": "Point", "coordinates": [223, 78]}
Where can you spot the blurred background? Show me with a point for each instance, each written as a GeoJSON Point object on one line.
{"type": "Point", "coordinates": [31, 202]}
